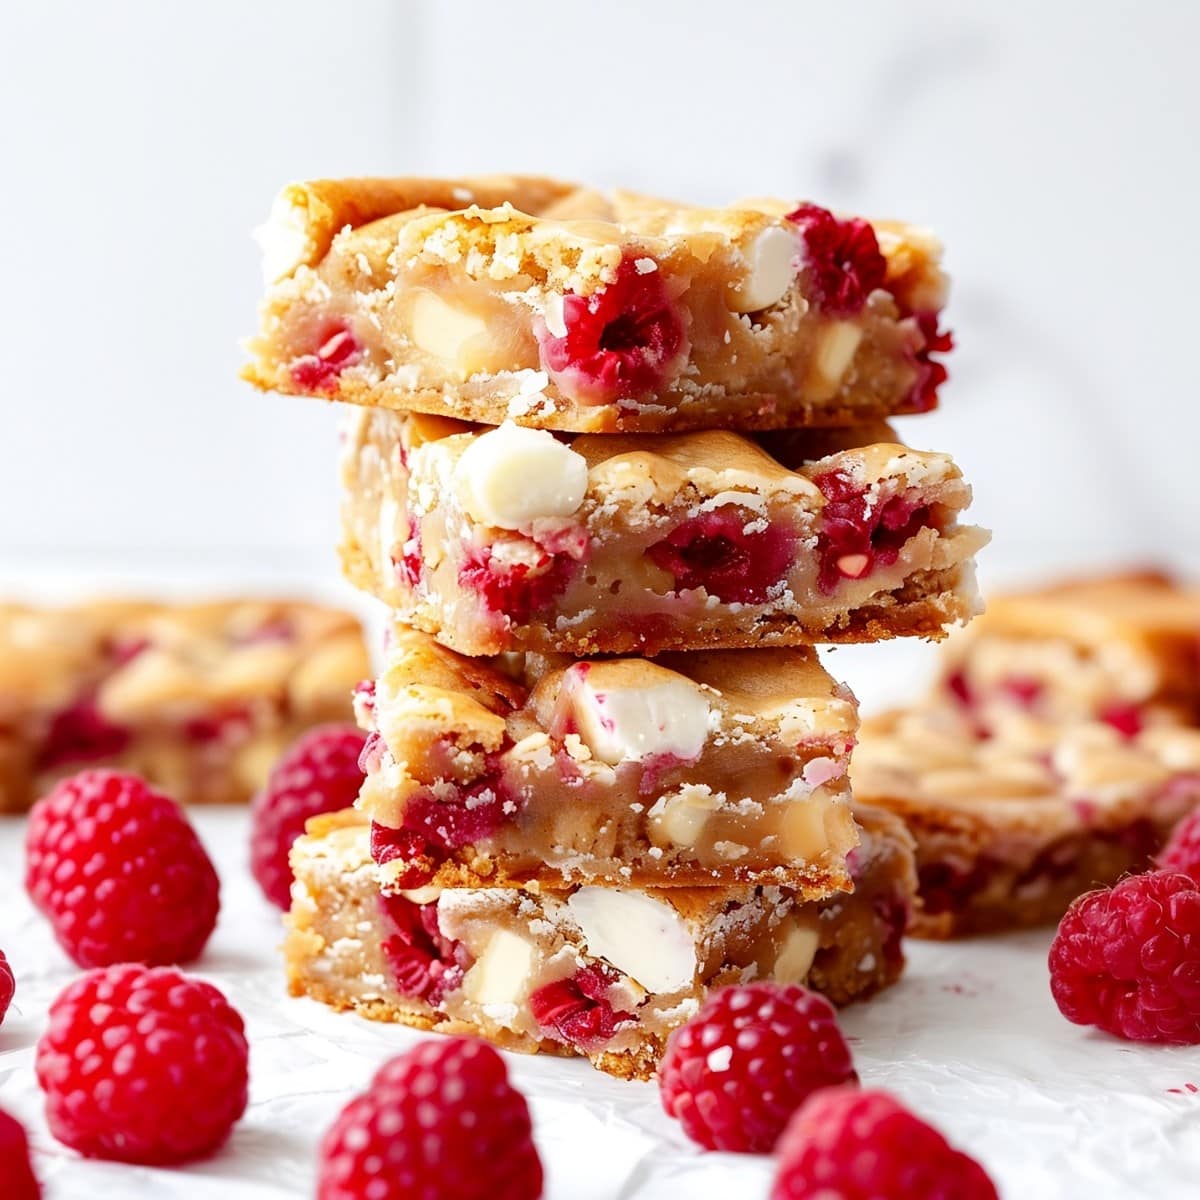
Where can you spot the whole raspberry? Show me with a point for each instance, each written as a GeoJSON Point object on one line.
{"type": "Point", "coordinates": [142, 1064]}
{"type": "Point", "coordinates": [318, 774]}
{"type": "Point", "coordinates": [736, 1072]}
{"type": "Point", "coordinates": [1127, 959]}
{"type": "Point", "coordinates": [846, 1144]}
{"type": "Point", "coordinates": [8, 985]}
{"type": "Point", "coordinates": [1182, 851]}
{"type": "Point", "coordinates": [441, 1122]}
{"type": "Point", "coordinates": [16, 1171]}
{"type": "Point", "coordinates": [119, 872]}
{"type": "Point", "coordinates": [843, 258]}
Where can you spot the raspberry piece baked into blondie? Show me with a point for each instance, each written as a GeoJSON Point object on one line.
{"type": "Point", "coordinates": [1121, 648]}
{"type": "Point", "coordinates": [512, 538]}
{"type": "Point", "coordinates": [721, 766]}
{"type": "Point", "coordinates": [1012, 826]}
{"type": "Point", "coordinates": [562, 308]}
{"type": "Point", "coordinates": [601, 972]}
{"type": "Point", "coordinates": [199, 699]}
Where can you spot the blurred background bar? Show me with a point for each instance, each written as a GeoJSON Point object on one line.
{"type": "Point", "coordinates": [1053, 147]}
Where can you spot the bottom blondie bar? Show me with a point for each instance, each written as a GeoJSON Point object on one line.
{"type": "Point", "coordinates": [606, 973]}
{"type": "Point", "coordinates": [1014, 824]}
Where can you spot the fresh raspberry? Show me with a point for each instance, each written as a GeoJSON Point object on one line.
{"type": "Point", "coordinates": [441, 1122]}
{"type": "Point", "coordinates": [424, 962]}
{"type": "Point", "coordinates": [858, 533]}
{"type": "Point", "coordinates": [577, 1010]}
{"type": "Point", "coordinates": [142, 1064]}
{"type": "Point", "coordinates": [1125, 718]}
{"type": "Point", "coordinates": [119, 872]}
{"type": "Point", "coordinates": [846, 1144]}
{"type": "Point", "coordinates": [1125, 959]}
{"type": "Point", "coordinates": [336, 350]}
{"type": "Point", "coordinates": [843, 257]}
{"type": "Point", "coordinates": [1180, 854]}
{"type": "Point", "coordinates": [8, 985]}
{"type": "Point", "coordinates": [736, 1072]}
{"type": "Point", "coordinates": [319, 773]}
{"type": "Point", "coordinates": [16, 1171]}
{"type": "Point", "coordinates": [623, 341]}
{"type": "Point", "coordinates": [714, 551]}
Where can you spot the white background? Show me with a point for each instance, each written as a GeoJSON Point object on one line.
{"type": "Point", "coordinates": [1052, 145]}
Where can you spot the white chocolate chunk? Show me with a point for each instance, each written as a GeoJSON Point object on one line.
{"type": "Point", "coordinates": [680, 819]}
{"type": "Point", "coordinates": [500, 975]}
{"type": "Point", "coordinates": [803, 830]}
{"type": "Point", "coordinates": [642, 937]}
{"type": "Point", "coordinates": [770, 259]}
{"type": "Point", "coordinates": [514, 475]}
{"type": "Point", "coordinates": [835, 350]}
{"type": "Point", "coordinates": [284, 239]}
{"type": "Point", "coordinates": [797, 950]}
{"type": "Point", "coordinates": [448, 333]}
{"type": "Point", "coordinates": [629, 724]}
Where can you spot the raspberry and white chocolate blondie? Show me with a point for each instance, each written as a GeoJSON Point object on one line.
{"type": "Point", "coordinates": [562, 308]}
{"type": "Point", "coordinates": [721, 766]}
{"type": "Point", "coordinates": [601, 972]}
{"type": "Point", "coordinates": [200, 699]}
{"type": "Point", "coordinates": [1013, 825]}
{"type": "Point", "coordinates": [512, 538]}
{"type": "Point", "coordinates": [1121, 648]}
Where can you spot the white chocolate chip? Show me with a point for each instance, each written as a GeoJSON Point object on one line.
{"type": "Point", "coordinates": [553, 314]}
{"type": "Point", "coordinates": [770, 270]}
{"type": "Point", "coordinates": [835, 350]}
{"type": "Point", "coordinates": [642, 937]}
{"type": "Point", "coordinates": [797, 951]}
{"type": "Point", "coordinates": [680, 819]}
{"type": "Point", "coordinates": [513, 475]}
{"type": "Point", "coordinates": [284, 239]}
{"type": "Point", "coordinates": [500, 975]}
{"type": "Point", "coordinates": [803, 830]}
{"type": "Point", "coordinates": [632, 724]}
{"type": "Point", "coordinates": [448, 333]}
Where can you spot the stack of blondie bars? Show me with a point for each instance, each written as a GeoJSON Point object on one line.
{"type": "Point", "coordinates": [615, 465]}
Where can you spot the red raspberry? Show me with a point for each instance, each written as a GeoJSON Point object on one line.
{"type": "Point", "coordinates": [16, 1171]}
{"type": "Point", "coordinates": [441, 1122]}
{"type": "Point", "coordinates": [143, 1065]}
{"type": "Point", "coordinates": [621, 342]}
{"type": "Point", "coordinates": [714, 551]}
{"type": "Point", "coordinates": [577, 1010]}
{"type": "Point", "coordinates": [931, 373]}
{"type": "Point", "coordinates": [336, 350]}
{"type": "Point", "coordinates": [843, 257]}
{"type": "Point", "coordinates": [318, 774]}
{"type": "Point", "coordinates": [1127, 959]}
{"type": "Point", "coordinates": [736, 1072]}
{"type": "Point", "coordinates": [1181, 853]}
{"type": "Point", "coordinates": [846, 1144]}
{"type": "Point", "coordinates": [119, 872]}
{"type": "Point", "coordinates": [8, 985]}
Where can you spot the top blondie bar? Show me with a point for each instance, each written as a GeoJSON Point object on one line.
{"type": "Point", "coordinates": [559, 307]}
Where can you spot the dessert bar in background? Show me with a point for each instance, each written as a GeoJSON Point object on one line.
{"type": "Point", "coordinates": [511, 298]}
{"type": "Point", "coordinates": [1119, 648]}
{"type": "Point", "coordinates": [597, 971]}
{"type": "Point", "coordinates": [714, 767]}
{"type": "Point", "coordinates": [510, 538]}
{"type": "Point", "coordinates": [1012, 825]}
{"type": "Point", "coordinates": [200, 699]}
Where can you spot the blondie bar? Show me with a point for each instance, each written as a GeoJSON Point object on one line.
{"type": "Point", "coordinates": [720, 766]}
{"type": "Point", "coordinates": [1121, 648]}
{"type": "Point", "coordinates": [601, 972]}
{"type": "Point", "coordinates": [1012, 826]}
{"type": "Point", "coordinates": [198, 698]}
{"type": "Point", "coordinates": [506, 538]}
{"type": "Point", "coordinates": [558, 307]}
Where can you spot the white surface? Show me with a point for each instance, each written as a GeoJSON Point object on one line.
{"type": "Point", "coordinates": [970, 1038]}
{"type": "Point", "coordinates": [1052, 145]}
